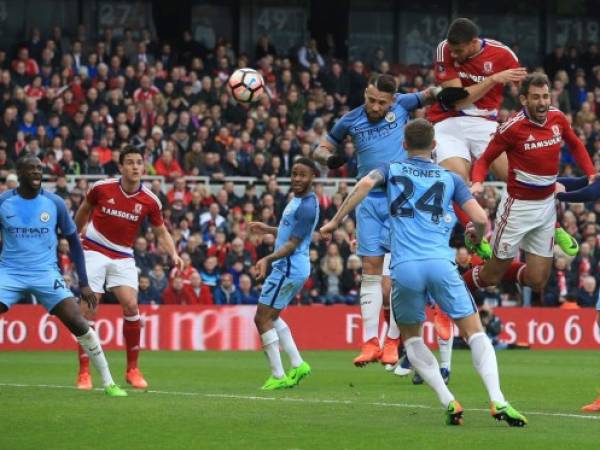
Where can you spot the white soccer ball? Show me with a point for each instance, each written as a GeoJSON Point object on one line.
{"type": "Point", "coordinates": [247, 85]}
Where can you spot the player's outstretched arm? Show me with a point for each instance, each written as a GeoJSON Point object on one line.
{"type": "Point", "coordinates": [83, 214]}
{"type": "Point", "coordinates": [579, 152]}
{"type": "Point", "coordinates": [498, 145]}
{"type": "Point", "coordinates": [476, 228]}
{"type": "Point", "coordinates": [262, 265]}
{"type": "Point", "coordinates": [166, 241]}
{"type": "Point", "coordinates": [477, 91]}
{"type": "Point", "coordinates": [261, 228]}
{"type": "Point", "coordinates": [587, 193]}
{"type": "Point", "coordinates": [356, 195]}
{"type": "Point", "coordinates": [326, 155]}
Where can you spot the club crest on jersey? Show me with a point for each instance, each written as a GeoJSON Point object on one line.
{"type": "Point", "coordinates": [137, 208]}
{"type": "Point", "coordinates": [44, 217]}
{"type": "Point", "coordinates": [488, 66]}
{"type": "Point", "coordinates": [556, 130]}
{"type": "Point", "coordinates": [390, 117]}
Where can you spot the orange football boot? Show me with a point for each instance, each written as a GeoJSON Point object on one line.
{"type": "Point", "coordinates": [136, 379]}
{"type": "Point", "coordinates": [84, 381]}
{"type": "Point", "coordinates": [592, 407]}
{"type": "Point", "coordinates": [444, 327]}
{"type": "Point", "coordinates": [370, 352]}
{"type": "Point", "coordinates": [389, 355]}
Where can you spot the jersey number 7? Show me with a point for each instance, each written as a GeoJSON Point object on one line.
{"type": "Point", "coordinates": [430, 201]}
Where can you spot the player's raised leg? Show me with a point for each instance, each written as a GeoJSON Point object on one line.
{"type": "Point", "coordinates": [454, 299]}
{"type": "Point", "coordinates": [389, 354]}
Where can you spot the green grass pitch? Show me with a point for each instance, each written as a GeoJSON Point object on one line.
{"type": "Point", "coordinates": [212, 400]}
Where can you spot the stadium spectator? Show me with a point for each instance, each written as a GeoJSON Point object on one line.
{"type": "Point", "coordinates": [587, 295]}
{"type": "Point", "coordinates": [175, 293]}
{"type": "Point", "coordinates": [227, 293]}
{"type": "Point", "coordinates": [198, 293]}
{"type": "Point", "coordinates": [147, 293]}
{"type": "Point", "coordinates": [248, 295]}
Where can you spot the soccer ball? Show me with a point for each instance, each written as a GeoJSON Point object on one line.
{"type": "Point", "coordinates": [247, 85]}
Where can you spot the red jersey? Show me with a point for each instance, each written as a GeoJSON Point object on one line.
{"type": "Point", "coordinates": [493, 57]}
{"type": "Point", "coordinates": [141, 95]}
{"type": "Point", "coordinates": [533, 152]}
{"type": "Point", "coordinates": [116, 217]}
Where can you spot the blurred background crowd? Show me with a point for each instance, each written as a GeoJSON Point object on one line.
{"type": "Point", "coordinates": [75, 99]}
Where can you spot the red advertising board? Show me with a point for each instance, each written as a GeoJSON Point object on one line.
{"type": "Point", "coordinates": [314, 328]}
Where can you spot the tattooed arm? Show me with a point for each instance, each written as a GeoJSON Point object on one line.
{"type": "Point", "coordinates": [357, 195]}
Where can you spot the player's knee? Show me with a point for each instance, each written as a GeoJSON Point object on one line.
{"type": "Point", "coordinates": [130, 308]}
{"type": "Point", "coordinates": [76, 324]}
{"type": "Point", "coordinates": [536, 282]}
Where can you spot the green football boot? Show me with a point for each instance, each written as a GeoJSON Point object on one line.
{"type": "Point", "coordinates": [567, 243]}
{"type": "Point", "coordinates": [454, 413]}
{"type": "Point", "coordinates": [115, 391]}
{"type": "Point", "coordinates": [506, 412]}
{"type": "Point", "coordinates": [295, 374]}
{"type": "Point", "coordinates": [483, 249]}
{"type": "Point", "coordinates": [273, 383]}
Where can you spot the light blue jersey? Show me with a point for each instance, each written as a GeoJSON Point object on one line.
{"type": "Point", "coordinates": [420, 195]}
{"type": "Point", "coordinates": [375, 143]}
{"type": "Point", "coordinates": [380, 142]}
{"type": "Point", "coordinates": [299, 220]}
{"type": "Point", "coordinates": [29, 260]}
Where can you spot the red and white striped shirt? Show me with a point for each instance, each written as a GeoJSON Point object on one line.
{"type": "Point", "coordinates": [533, 152]}
{"type": "Point", "coordinates": [116, 217]}
{"type": "Point", "coordinates": [493, 57]}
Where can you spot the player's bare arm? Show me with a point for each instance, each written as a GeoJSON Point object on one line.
{"type": "Point", "coordinates": [479, 219]}
{"type": "Point", "coordinates": [166, 241]}
{"type": "Point", "coordinates": [262, 265]}
{"type": "Point", "coordinates": [83, 214]}
{"type": "Point", "coordinates": [326, 155]}
{"type": "Point", "coordinates": [357, 195]}
{"type": "Point", "coordinates": [260, 228]}
{"type": "Point", "coordinates": [477, 91]}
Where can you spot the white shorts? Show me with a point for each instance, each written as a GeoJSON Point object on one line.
{"type": "Point", "coordinates": [464, 137]}
{"type": "Point", "coordinates": [102, 270]}
{"type": "Point", "coordinates": [387, 259]}
{"type": "Point", "coordinates": [525, 224]}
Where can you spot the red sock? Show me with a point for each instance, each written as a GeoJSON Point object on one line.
{"type": "Point", "coordinates": [386, 316]}
{"type": "Point", "coordinates": [514, 274]}
{"type": "Point", "coordinates": [470, 276]}
{"type": "Point", "coordinates": [462, 216]}
{"type": "Point", "coordinates": [84, 360]}
{"type": "Point", "coordinates": [131, 332]}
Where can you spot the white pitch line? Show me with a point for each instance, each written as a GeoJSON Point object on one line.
{"type": "Point", "coordinates": [300, 400]}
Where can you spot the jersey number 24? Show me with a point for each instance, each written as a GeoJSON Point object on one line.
{"type": "Point", "coordinates": [429, 202]}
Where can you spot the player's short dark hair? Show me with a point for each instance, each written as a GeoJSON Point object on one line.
{"type": "Point", "coordinates": [24, 160]}
{"type": "Point", "coordinates": [462, 30]}
{"type": "Point", "coordinates": [308, 163]}
{"type": "Point", "coordinates": [129, 150]}
{"type": "Point", "coordinates": [418, 135]}
{"type": "Point", "coordinates": [537, 79]}
{"type": "Point", "coordinates": [384, 83]}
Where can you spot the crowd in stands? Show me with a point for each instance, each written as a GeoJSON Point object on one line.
{"type": "Point", "coordinates": [75, 100]}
